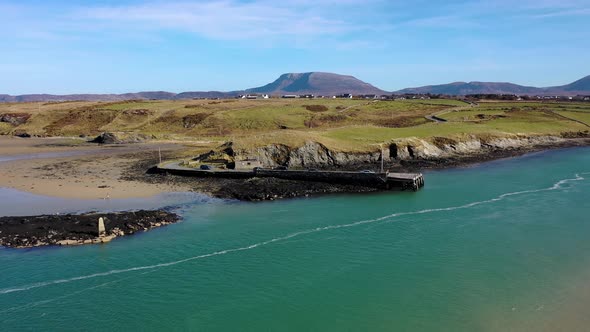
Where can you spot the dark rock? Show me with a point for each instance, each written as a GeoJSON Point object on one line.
{"type": "Point", "coordinates": [23, 134]}
{"type": "Point", "coordinates": [260, 189]}
{"type": "Point", "coordinates": [106, 138]}
{"type": "Point", "coordinates": [30, 231]}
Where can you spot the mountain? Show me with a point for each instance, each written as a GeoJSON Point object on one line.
{"type": "Point", "coordinates": [317, 83]}
{"type": "Point", "coordinates": [293, 83]}
{"type": "Point", "coordinates": [327, 84]}
{"type": "Point", "coordinates": [579, 87]}
{"type": "Point", "coordinates": [464, 88]}
{"type": "Point", "coordinates": [87, 97]}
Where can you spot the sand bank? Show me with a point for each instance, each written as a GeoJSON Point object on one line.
{"type": "Point", "coordinates": [92, 172]}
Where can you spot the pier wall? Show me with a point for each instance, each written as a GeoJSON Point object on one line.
{"type": "Point", "coordinates": [374, 180]}
{"type": "Point", "coordinates": [356, 178]}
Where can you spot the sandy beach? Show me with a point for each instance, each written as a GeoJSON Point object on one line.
{"type": "Point", "coordinates": [92, 172]}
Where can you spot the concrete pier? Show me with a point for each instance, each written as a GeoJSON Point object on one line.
{"type": "Point", "coordinates": [389, 181]}
{"type": "Point", "coordinates": [413, 181]}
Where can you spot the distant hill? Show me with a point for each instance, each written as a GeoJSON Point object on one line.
{"type": "Point", "coordinates": [327, 84]}
{"type": "Point", "coordinates": [292, 83]}
{"type": "Point", "coordinates": [316, 83]}
{"type": "Point", "coordinates": [161, 95]}
{"type": "Point", "coordinates": [464, 88]}
{"type": "Point", "coordinates": [581, 86]}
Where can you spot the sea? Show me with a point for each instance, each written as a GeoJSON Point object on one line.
{"type": "Point", "coordinates": [499, 246]}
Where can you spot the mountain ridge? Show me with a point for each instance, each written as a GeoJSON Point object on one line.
{"type": "Point", "coordinates": [581, 86]}
{"type": "Point", "coordinates": [322, 83]}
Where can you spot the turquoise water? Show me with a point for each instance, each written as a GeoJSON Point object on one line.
{"type": "Point", "coordinates": [497, 247]}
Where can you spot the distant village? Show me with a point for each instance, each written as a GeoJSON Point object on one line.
{"type": "Point", "coordinates": [409, 96]}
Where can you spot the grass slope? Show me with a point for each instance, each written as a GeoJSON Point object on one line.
{"type": "Point", "coordinates": [341, 124]}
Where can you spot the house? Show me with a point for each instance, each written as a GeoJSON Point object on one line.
{"type": "Point", "coordinates": [290, 96]}
{"type": "Point", "coordinates": [369, 96]}
{"type": "Point", "coordinates": [247, 164]}
{"type": "Point", "coordinates": [264, 96]}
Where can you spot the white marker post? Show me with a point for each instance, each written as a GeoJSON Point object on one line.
{"type": "Point", "coordinates": [101, 229]}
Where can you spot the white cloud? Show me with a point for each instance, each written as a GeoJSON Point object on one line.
{"type": "Point", "coordinates": [563, 13]}
{"type": "Point", "coordinates": [229, 20]}
{"type": "Point", "coordinates": [447, 21]}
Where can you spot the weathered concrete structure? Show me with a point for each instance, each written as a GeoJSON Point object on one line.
{"type": "Point", "coordinates": [403, 181]}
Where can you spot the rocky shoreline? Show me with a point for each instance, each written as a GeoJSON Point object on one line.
{"type": "Point", "coordinates": [78, 229]}
{"type": "Point", "coordinates": [489, 153]}
{"type": "Point", "coordinates": [260, 189]}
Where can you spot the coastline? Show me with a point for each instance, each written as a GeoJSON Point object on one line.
{"type": "Point", "coordinates": [261, 189]}
{"type": "Point", "coordinates": [120, 172]}
{"type": "Point", "coordinates": [129, 172]}
{"type": "Point", "coordinates": [491, 155]}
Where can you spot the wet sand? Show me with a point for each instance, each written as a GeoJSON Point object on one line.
{"type": "Point", "coordinates": [69, 168]}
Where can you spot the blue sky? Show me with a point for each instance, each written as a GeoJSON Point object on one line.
{"type": "Point", "coordinates": [131, 45]}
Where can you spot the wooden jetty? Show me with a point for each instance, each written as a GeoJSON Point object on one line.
{"type": "Point", "coordinates": [386, 180]}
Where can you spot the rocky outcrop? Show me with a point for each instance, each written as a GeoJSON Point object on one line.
{"type": "Point", "coordinates": [274, 155]}
{"type": "Point", "coordinates": [313, 154]}
{"type": "Point", "coordinates": [15, 119]}
{"type": "Point", "coordinates": [106, 138]}
{"type": "Point", "coordinates": [72, 229]}
{"type": "Point", "coordinates": [439, 147]}
{"type": "Point", "coordinates": [112, 138]}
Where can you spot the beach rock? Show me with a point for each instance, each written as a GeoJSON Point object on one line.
{"type": "Point", "coordinates": [21, 133]}
{"type": "Point", "coordinates": [69, 229]}
{"type": "Point", "coordinates": [106, 138]}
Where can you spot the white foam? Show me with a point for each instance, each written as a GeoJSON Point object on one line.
{"type": "Point", "coordinates": [37, 303]}
{"type": "Point", "coordinates": [558, 185]}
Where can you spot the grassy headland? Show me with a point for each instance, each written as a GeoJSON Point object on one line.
{"type": "Point", "coordinates": [339, 124]}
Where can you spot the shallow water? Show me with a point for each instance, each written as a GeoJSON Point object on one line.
{"type": "Point", "coordinates": [496, 247]}
{"type": "Point", "coordinates": [41, 155]}
{"type": "Point", "coordinates": [19, 203]}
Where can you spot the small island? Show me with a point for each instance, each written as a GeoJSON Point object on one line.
{"type": "Point", "coordinates": [78, 229]}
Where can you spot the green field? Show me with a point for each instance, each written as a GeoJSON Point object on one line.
{"type": "Point", "coordinates": [342, 124]}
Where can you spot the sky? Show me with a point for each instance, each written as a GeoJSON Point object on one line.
{"type": "Point", "coordinates": [107, 46]}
